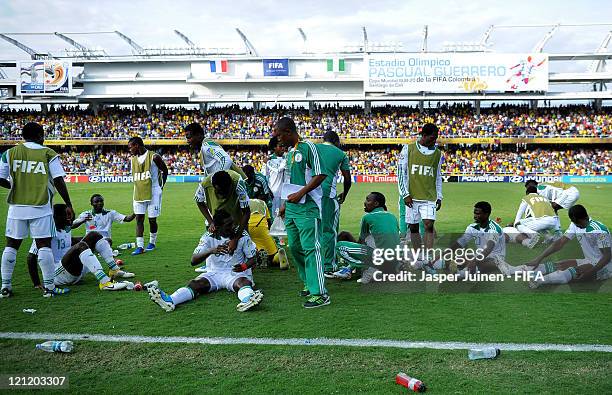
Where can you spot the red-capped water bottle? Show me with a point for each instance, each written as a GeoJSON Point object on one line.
{"type": "Point", "coordinates": [411, 383]}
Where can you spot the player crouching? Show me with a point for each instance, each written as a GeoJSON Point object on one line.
{"type": "Point", "coordinates": [224, 269]}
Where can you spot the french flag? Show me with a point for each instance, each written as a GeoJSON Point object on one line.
{"type": "Point", "coordinates": [218, 66]}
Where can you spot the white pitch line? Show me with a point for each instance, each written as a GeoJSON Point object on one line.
{"type": "Point", "coordinates": [308, 342]}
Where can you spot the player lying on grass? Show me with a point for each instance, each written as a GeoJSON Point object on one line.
{"type": "Point", "coordinates": [379, 229]}
{"type": "Point", "coordinates": [561, 196]}
{"type": "Point", "coordinates": [100, 220]}
{"type": "Point", "coordinates": [594, 238]}
{"type": "Point", "coordinates": [74, 257]}
{"type": "Point", "coordinates": [489, 239]}
{"type": "Point", "coordinates": [223, 270]}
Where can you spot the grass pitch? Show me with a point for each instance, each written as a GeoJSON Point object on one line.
{"type": "Point", "coordinates": [512, 316]}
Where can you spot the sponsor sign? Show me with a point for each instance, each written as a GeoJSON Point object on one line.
{"type": "Point", "coordinates": [455, 72]}
{"type": "Point", "coordinates": [484, 178]}
{"type": "Point", "coordinates": [45, 77]}
{"type": "Point", "coordinates": [102, 178]}
{"type": "Point", "coordinates": [586, 179]}
{"type": "Point", "coordinates": [275, 67]}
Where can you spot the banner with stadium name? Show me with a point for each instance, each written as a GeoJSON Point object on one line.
{"type": "Point", "coordinates": [45, 77]}
{"type": "Point", "coordinates": [455, 72]}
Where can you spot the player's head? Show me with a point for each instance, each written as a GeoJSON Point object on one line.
{"type": "Point", "coordinates": [332, 137]}
{"type": "Point", "coordinates": [429, 135]}
{"type": "Point", "coordinates": [249, 171]}
{"type": "Point", "coordinates": [222, 182]}
{"type": "Point", "coordinates": [136, 145]}
{"type": "Point", "coordinates": [286, 131]}
{"type": "Point", "coordinates": [97, 202]}
{"type": "Point", "coordinates": [531, 182]}
{"type": "Point", "coordinates": [579, 216]}
{"type": "Point", "coordinates": [194, 135]}
{"type": "Point", "coordinates": [346, 236]}
{"type": "Point", "coordinates": [531, 188]}
{"type": "Point", "coordinates": [374, 200]}
{"type": "Point", "coordinates": [61, 216]}
{"type": "Point", "coordinates": [224, 223]}
{"type": "Point", "coordinates": [34, 132]}
{"type": "Point", "coordinates": [482, 211]}
{"type": "Point", "coordinates": [275, 147]}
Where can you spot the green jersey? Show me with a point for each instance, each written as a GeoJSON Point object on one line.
{"type": "Point", "coordinates": [233, 204]}
{"type": "Point", "coordinates": [418, 173]}
{"type": "Point", "coordinates": [382, 227]}
{"type": "Point", "coordinates": [29, 170]}
{"type": "Point", "coordinates": [335, 159]}
{"type": "Point", "coordinates": [303, 164]}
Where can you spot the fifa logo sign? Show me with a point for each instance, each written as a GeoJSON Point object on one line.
{"type": "Point", "coordinates": [276, 65]}
{"type": "Point", "coordinates": [142, 176]}
{"type": "Point", "coordinates": [28, 166]}
{"type": "Point", "coordinates": [422, 170]}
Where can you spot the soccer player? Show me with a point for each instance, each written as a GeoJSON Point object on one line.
{"type": "Point", "coordinates": [595, 241]}
{"type": "Point", "coordinates": [333, 161]}
{"type": "Point", "coordinates": [561, 196]}
{"type": "Point", "coordinates": [489, 239]}
{"type": "Point", "coordinates": [150, 174]}
{"type": "Point", "coordinates": [73, 257]}
{"type": "Point", "coordinates": [212, 156]}
{"type": "Point", "coordinates": [257, 185]}
{"type": "Point", "coordinates": [100, 220]}
{"type": "Point", "coordinates": [259, 230]}
{"type": "Point", "coordinates": [33, 170]}
{"type": "Point", "coordinates": [379, 229]}
{"type": "Point", "coordinates": [275, 172]}
{"type": "Point", "coordinates": [224, 269]}
{"type": "Point", "coordinates": [302, 211]}
{"type": "Point", "coordinates": [535, 215]}
{"type": "Point", "coordinates": [224, 190]}
{"type": "Point", "coordinates": [420, 184]}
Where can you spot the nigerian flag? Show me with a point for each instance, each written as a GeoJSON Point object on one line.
{"type": "Point", "coordinates": [335, 65]}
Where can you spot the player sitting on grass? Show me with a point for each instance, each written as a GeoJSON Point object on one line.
{"type": "Point", "coordinates": [100, 220]}
{"type": "Point", "coordinates": [489, 240]}
{"type": "Point", "coordinates": [535, 215]}
{"type": "Point", "coordinates": [259, 230]}
{"type": "Point", "coordinates": [74, 257]}
{"type": "Point", "coordinates": [223, 270]}
{"type": "Point", "coordinates": [595, 241]}
{"type": "Point", "coordinates": [379, 229]}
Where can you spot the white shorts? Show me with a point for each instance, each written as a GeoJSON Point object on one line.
{"type": "Point", "coordinates": [224, 279]}
{"type": "Point", "coordinates": [36, 228]}
{"type": "Point", "coordinates": [603, 274]}
{"type": "Point", "coordinates": [568, 197]}
{"type": "Point", "coordinates": [65, 278]}
{"type": "Point", "coordinates": [152, 208]}
{"type": "Point", "coordinates": [533, 225]}
{"type": "Point", "coordinates": [421, 209]}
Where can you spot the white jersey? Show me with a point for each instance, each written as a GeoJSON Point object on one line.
{"type": "Point", "coordinates": [30, 212]}
{"type": "Point", "coordinates": [60, 244]}
{"type": "Point", "coordinates": [595, 236]}
{"type": "Point", "coordinates": [225, 263]}
{"type": "Point", "coordinates": [549, 192]}
{"type": "Point", "coordinates": [214, 158]}
{"type": "Point", "coordinates": [275, 172]}
{"type": "Point", "coordinates": [101, 222]}
{"type": "Point", "coordinates": [481, 236]}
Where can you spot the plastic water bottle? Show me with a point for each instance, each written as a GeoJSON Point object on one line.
{"type": "Point", "coordinates": [55, 346]}
{"type": "Point", "coordinates": [483, 353]}
{"type": "Point", "coordinates": [127, 246]}
{"type": "Point", "coordinates": [411, 383]}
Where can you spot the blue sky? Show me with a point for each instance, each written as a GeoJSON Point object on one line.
{"type": "Point", "coordinates": [272, 25]}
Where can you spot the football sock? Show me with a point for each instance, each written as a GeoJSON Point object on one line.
{"type": "Point", "coordinates": [545, 268]}
{"type": "Point", "coordinates": [153, 238]}
{"type": "Point", "coordinates": [9, 256]}
{"type": "Point", "coordinates": [245, 293]}
{"type": "Point", "coordinates": [106, 252]}
{"type": "Point", "coordinates": [182, 295]}
{"type": "Point", "coordinates": [140, 242]}
{"type": "Point", "coordinates": [89, 260]}
{"type": "Point", "coordinates": [47, 267]}
{"type": "Point", "coordinates": [559, 277]}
